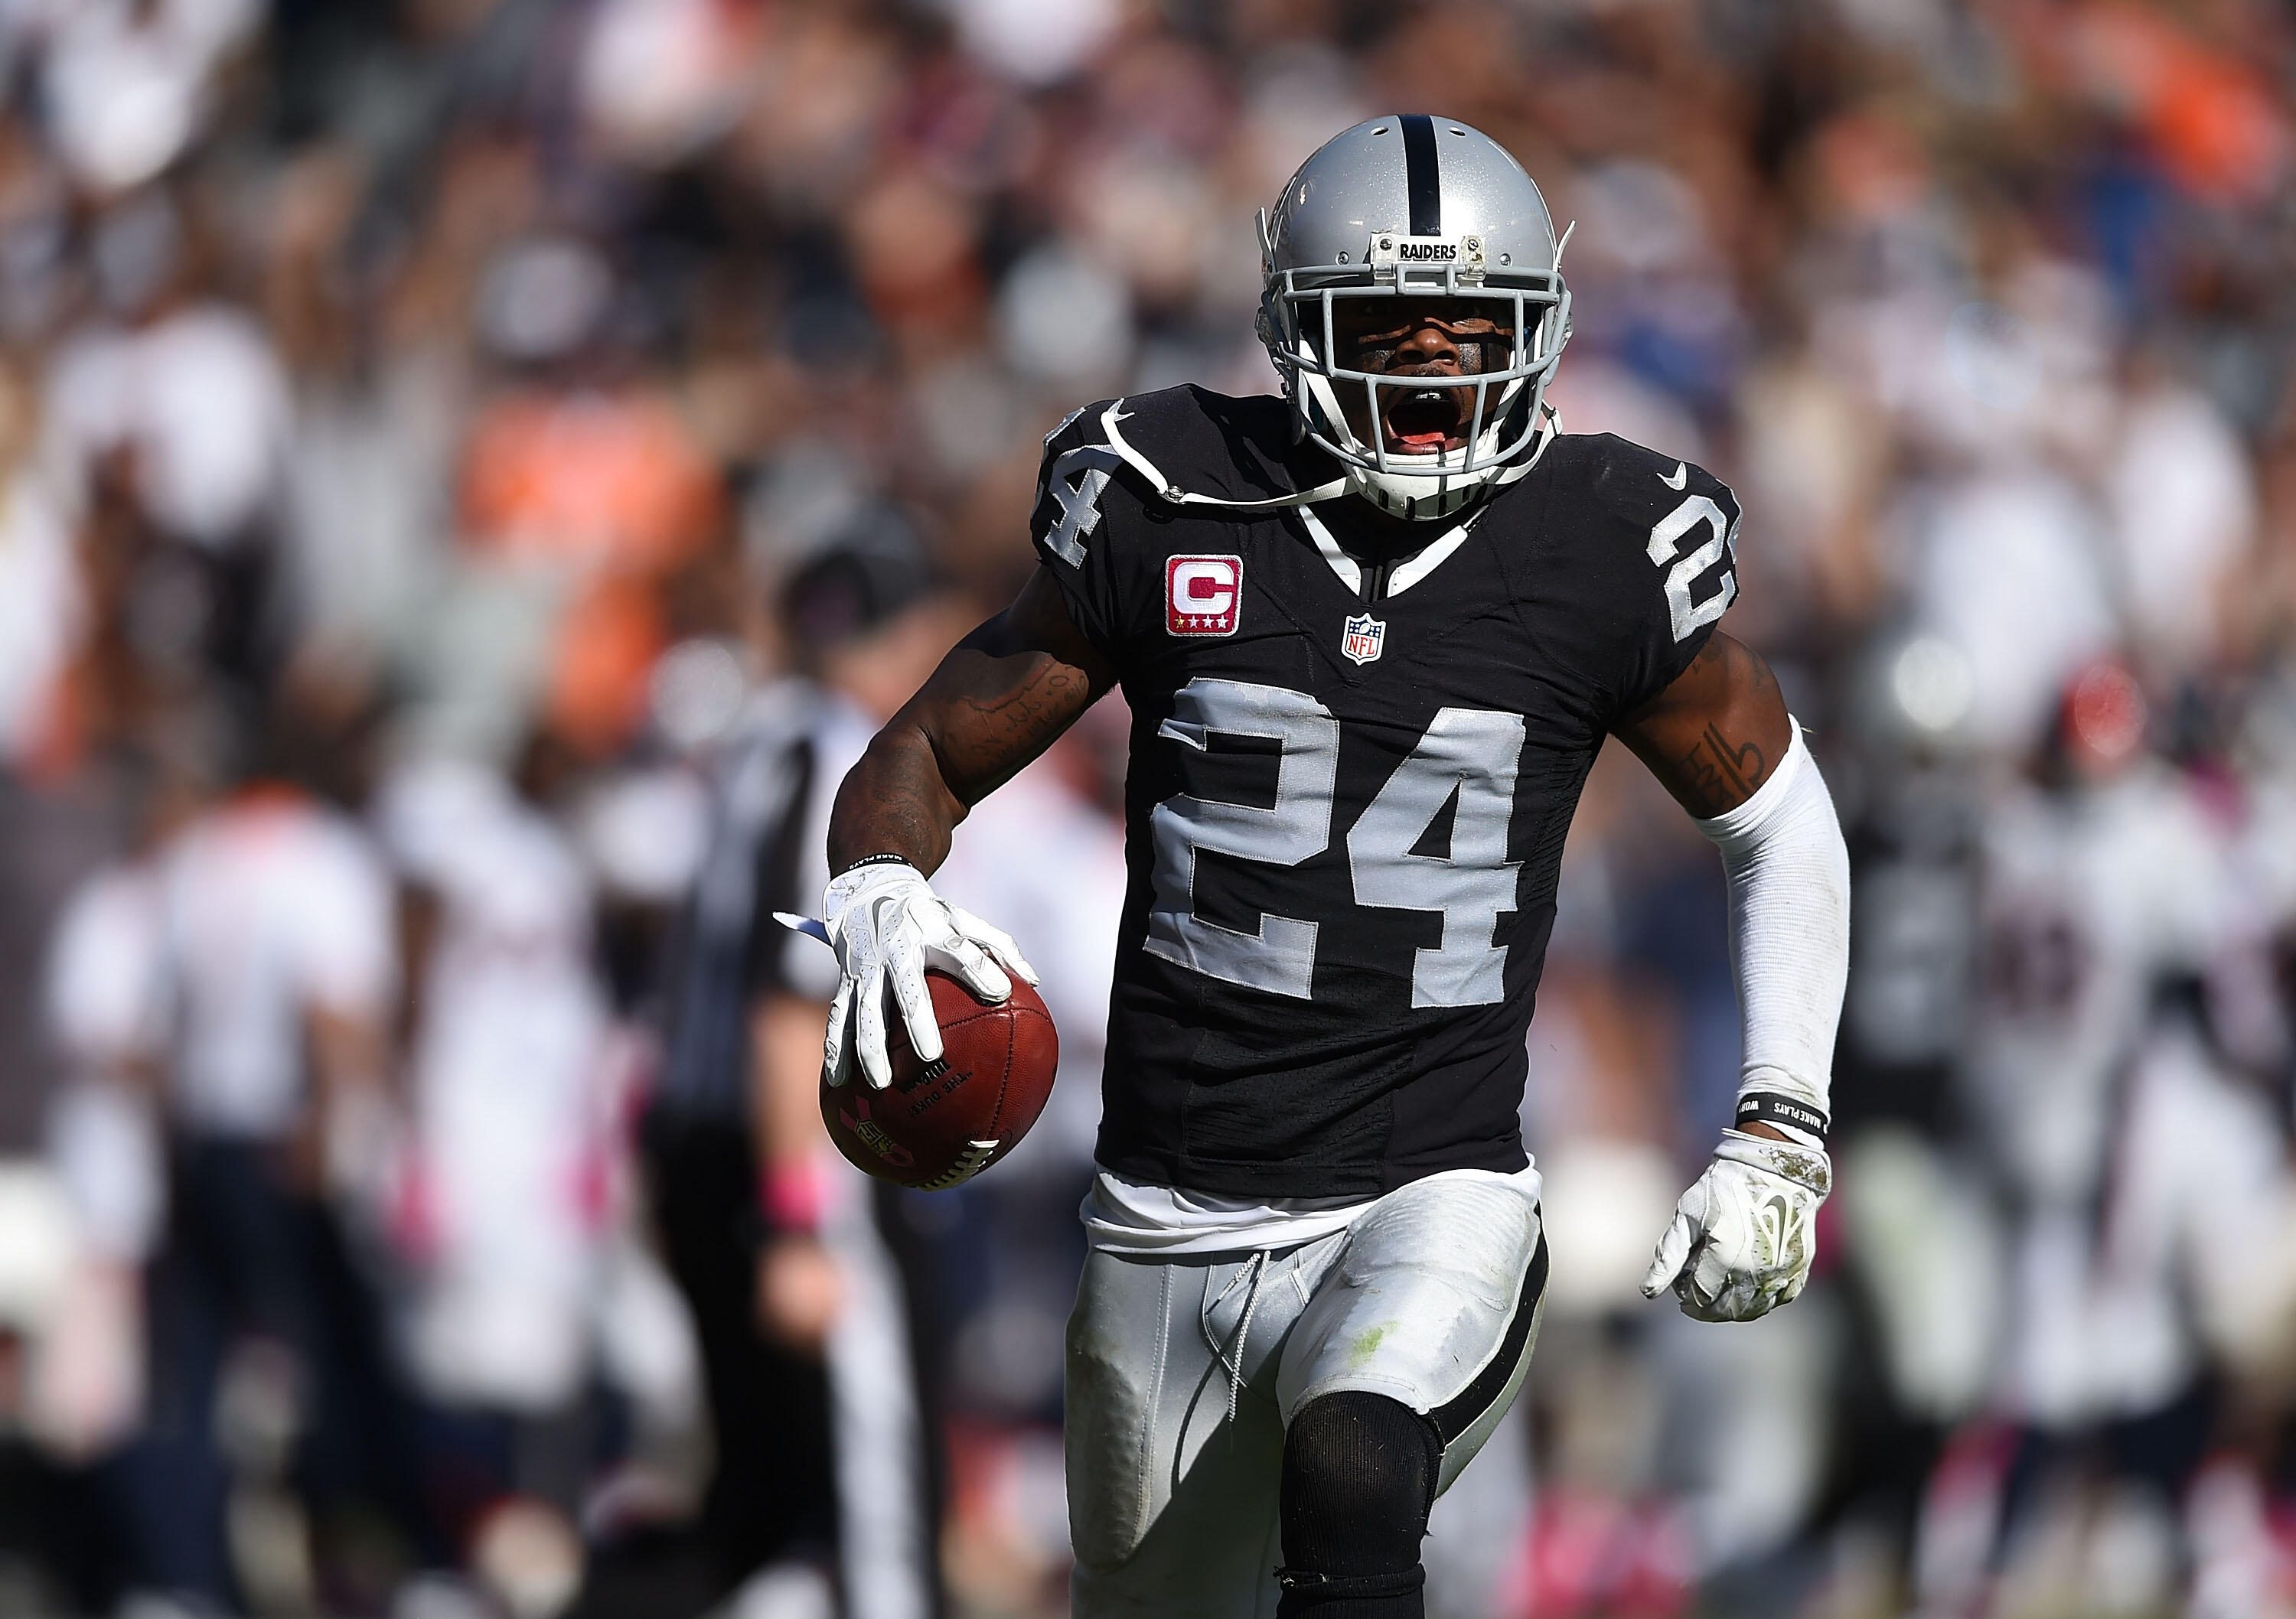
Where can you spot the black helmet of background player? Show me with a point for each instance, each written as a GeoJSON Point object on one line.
{"type": "Point", "coordinates": [866, 608]}
{"type": "Point", "coordinates": [1414, 306]}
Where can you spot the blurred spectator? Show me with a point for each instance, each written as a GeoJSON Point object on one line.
{"type": "Point", "coordinates": [270, 965]}
{"type": "Point", "coordinates": [188, 386]}
{"type": "Point", "coordinates": [128, 86]}
{"type": "Point", "coordinates": [514, 1205]}
{"type": "Point", "coordinates": [584, 477]}
{"type": "Point", "coordinates": [45, 598]}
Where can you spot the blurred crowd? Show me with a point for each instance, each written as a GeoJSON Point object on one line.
{"type": "Point", "coordinates": [444, 442]}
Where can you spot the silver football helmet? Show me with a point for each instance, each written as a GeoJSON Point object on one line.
{"type": "Point", "coordinates": [1409, 206]}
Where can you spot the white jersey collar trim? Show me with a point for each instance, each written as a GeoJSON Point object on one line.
{"type": "Point", "coordinates": [1422, 563]}
{"type": "Point", "coordinates": [1349, 571]}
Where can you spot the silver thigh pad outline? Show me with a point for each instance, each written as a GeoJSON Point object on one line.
{"type": "Point", "coordinates": [1172, 1501]}
{"type": "Point", "coordinates": [1423, 1302]}
{"type": "Point", "coordinates": [1172, 1465]}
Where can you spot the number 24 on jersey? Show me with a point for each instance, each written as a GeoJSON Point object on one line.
{"type": "Point", "coordinates": [1470, 752]}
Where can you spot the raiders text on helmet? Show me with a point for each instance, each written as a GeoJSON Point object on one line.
{"type": "Point", "coordinates": [1414, 206]}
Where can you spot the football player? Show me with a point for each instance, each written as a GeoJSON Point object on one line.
{"type": "Point", "coordinates": [1373, 634]}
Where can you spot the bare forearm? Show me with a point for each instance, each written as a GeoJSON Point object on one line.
{"type": "Point", "coordinates": [1001, 698]}
{"type": "Point", "coordinates": [971, 730]}
{"type": "Point", "coordinates": [894, 801]}
{"type": "Point", "coordinates": [349, 1052]}
{"type": "Point", "coordinates": [784, 1070]}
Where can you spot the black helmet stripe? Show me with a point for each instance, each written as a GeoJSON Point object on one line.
{"type": "Point", "coordinates": [1418, 175]}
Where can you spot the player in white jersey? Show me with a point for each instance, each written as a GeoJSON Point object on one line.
{"type": "Point", "coordinates": [277, 982]}
{"type": "Point", "coordinates": [529, 1281]}
{"type": "Point", "coordinates": [2140, 1178]}
{"type": "Point", "coordinates": [279, 934]}
{"type": "Point", "coordinates": [2097, 885]}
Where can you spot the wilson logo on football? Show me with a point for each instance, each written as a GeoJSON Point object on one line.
{"type": "Point", "coordinates": [1364, 637]}
{"type": "Point", "coordinates": [1203, 595]}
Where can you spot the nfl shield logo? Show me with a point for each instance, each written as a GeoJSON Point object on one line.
{"type": "Point", "coordinates": [1365, 637]}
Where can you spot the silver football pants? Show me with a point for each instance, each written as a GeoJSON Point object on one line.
{"type": "Point", "coordinates": [1183, 1374]}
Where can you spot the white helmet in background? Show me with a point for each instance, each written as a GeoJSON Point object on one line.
{"type": "Point", "coordinates": [1421, 207]}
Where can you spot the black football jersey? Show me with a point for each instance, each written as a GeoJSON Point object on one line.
{"type": "Point", "coordinates": [1349, 784]}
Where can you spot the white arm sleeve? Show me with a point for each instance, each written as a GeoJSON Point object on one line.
{"type": "Point", "coordinates": [1789, 873]}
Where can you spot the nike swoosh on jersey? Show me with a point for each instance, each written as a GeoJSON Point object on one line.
{"type": "Point", "coordinates": [1679, 479]}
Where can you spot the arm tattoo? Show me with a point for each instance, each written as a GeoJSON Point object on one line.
{"type": "Point", "coordinates": [1016, 724]}
{"type": "Point", "coordinates": [1034, 710]}
{"type": "Point", "coordinates": [1725, 775]}
{"type": "Point", "coordinates": [1718, 732]}
{"type": "Point", "coordinates": [949, 750]}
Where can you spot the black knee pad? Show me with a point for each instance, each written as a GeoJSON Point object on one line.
{"type": "Point", "coordinates": [1359, 1475]}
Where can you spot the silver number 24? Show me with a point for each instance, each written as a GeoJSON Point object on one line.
{"type": "Point", "coordinates": [1469, 753]}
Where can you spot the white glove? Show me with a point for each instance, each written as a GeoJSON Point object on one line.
{"type": "Point", "coordinates": [1742, 1239]}
{"type": "Point", "coordinates": [888, 926]}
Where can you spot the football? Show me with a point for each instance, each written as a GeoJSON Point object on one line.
{"type": "Point", "coordinates": [940, 1124]}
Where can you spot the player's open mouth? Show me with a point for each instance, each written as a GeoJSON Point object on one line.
{"type": "Point", "coordinates": [1425, 421]}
